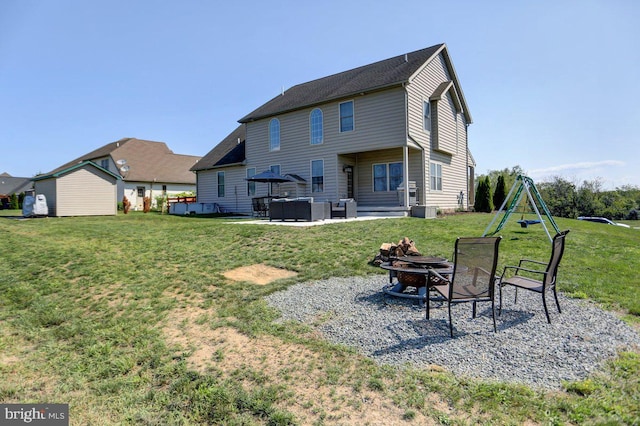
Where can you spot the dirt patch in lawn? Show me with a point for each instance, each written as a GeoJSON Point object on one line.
{"type": "Point", "coordinates": [268, 360]}
{"type": "Point", "coordinates": [258, 274]}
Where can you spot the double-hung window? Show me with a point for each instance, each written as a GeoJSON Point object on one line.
{"type": "Point", "coordinates": [273, 186]}
{"type": "Point", "coordinates": [220, 184]}
{"type": "Point", "coordinates": [387, 176]}
{"type": "Point", "coordinates": [346, 116]}
{"type": "Point", "coordinates": [436, 176]}
{"type": "Point", "coordinates": [316, 126]}
{"type": "Point", "coordinates": [317, 175]}
{"type": "Point", "coordinates": [251, 186]}
{"type": "Point", "coordinates": [274, 135]}
{"type": "Point", "coordinates": [426, 116]}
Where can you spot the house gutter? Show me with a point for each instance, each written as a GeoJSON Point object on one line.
{"type": "Point", "coordinates": [466, 157]}
{"type": "Point", "coordinates": [405, 148]}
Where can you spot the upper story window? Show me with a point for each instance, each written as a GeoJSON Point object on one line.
{"type": "Point", "coordinates": [426, 116]}
{"type": "Point", "coordinates": [220, 184]}
{"type": "Point", "coordinates": [387, 177]}
{"type": "Point", "coordinates": [436, 176]}
{"type": "Point", "coordinates": [274, 135]}
{"type": "Point", "coordinates": [104, 163]}
{"type": "Point", "coordinates": [317, 175]}
{"type": "Point", "coordinates": [316, 126]}
{"type": "Point", "coordinates": [346, 116]}
{"type": "Point", "coordinates": [251, 186]}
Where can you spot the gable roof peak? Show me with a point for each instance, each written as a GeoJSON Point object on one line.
{"type": "Point", "coordinates": [379, 75]}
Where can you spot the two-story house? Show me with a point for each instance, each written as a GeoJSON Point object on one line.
{"type": "Point", "coordinates": [372, 133]}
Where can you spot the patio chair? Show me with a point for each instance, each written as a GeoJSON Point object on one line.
{"type": "Point", "coordinates": [524, 273]}
{"type": "Point", "coordinates": [346, 208]}
{"type": "Point", "coordinates": [473, 278]}
{"type": "Point", "coordinates": [260, 206]}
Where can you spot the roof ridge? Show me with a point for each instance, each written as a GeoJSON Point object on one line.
{"type": "Point", "coordinates": [368, 65]}
{"type": "Point", "coordinates": [385, 73]}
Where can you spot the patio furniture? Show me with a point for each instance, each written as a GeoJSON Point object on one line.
{"type": "Point", "coordinates": [523, 275]}
{"type": "Point", "coordinates": [296, 209]}
{"type": "Point", "coordinates": [260, 206]}
{"type": "Point", "coordinates": [411, 274]}
{"type": "Point", "coordinates": [473, 278]}
{"type": "Point", "coordinates": [345, 208]}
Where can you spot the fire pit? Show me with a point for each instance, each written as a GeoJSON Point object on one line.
{"type": "Point", "coordinates": [411, 274]}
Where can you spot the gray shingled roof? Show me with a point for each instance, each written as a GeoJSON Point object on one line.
{"type": "Point", "coordinates": [229, 151]}
{"type": "Point", "coordinates": [148, 161]}
{"type": "Point", "coordinates": [376, 76]}
{"type": "Point", "coordinates": [14, 185]}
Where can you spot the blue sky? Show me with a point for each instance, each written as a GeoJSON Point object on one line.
{"type": "Point", "coordinates": [552, 86]}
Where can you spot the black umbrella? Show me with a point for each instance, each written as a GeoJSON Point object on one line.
{"type": "Point", "coordinates": [269, 177]}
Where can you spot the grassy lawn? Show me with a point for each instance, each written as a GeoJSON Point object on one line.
{"type": "Point", "coordinates": [130, 320]}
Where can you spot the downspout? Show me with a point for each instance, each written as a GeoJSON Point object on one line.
{"type": "Point", "coordinates": [405, 150]}
{"type": "Point", "coordinates": [466, 156]}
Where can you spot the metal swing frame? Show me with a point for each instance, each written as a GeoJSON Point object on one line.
{"type": "Point", "coordinates": [522, 185]}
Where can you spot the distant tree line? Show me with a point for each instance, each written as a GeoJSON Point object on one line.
{"type": "Point", "coordinates": [562, 197]}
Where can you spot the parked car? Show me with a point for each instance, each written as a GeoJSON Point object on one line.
{"type": "Point", "coordinates": [602, 220]}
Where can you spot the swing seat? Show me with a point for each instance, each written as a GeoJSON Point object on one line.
{"type": "Point", "coordinates": [526, 222]}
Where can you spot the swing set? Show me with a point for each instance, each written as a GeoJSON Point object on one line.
{"type": "Point", "coordinates": [522, 185]}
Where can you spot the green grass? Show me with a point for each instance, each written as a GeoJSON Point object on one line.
{"type": "Point", "coordinates": [83, 302]}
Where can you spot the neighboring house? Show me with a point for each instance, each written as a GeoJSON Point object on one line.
{"type": "Point", "coordinates": [371, 133]}
{"type": "Point", "coordinates": [83, 189]}
{"type": "Point", "coordinates": [10, 185]}
{"type": "Point", "coordinates": [147, 169]}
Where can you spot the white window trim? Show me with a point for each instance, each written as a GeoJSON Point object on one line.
{"type": "Point", "coordinates": [424, 124]}
{"type": "Point", "coordinates": [246, 173]}
{"type": "Point", "coordinates": [311, 174]}
{"type": "Point", "coordinates": [224, 184]}
{"type": "Point", "coordinates": [431, 188]}
{"type": "Point", "coordinates": [271, 147]}
{"type": "Point", "coordinates": [271, 184]}
{"type": "Point", "coordinates": [311, 127]}
{"type": "Point", "coordinates": [353, 117]}
{"type": "Point", "coordinates": [387, 175]}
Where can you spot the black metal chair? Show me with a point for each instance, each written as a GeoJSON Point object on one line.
{"type": "Point", "coordinates": [260, 206]}
{"type": "Point", "coordinates": [473, 278]}
{"type": "Point", "coordinates": [527, 282]}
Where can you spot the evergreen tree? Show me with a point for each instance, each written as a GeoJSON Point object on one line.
{"type": "Point", "coordinates": [483, 196]}
{"type": "Point", "coordinates": [14, 202]}
{"type": "Point", "coordinates": [500, 193]}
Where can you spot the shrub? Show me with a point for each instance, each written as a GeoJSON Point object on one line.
{"type": "Point", "coordinates": [483, 196]}
{"type": "Point", "coordinates": [500, 193]}
{"type": "Point", "coordinates": [14, 202]}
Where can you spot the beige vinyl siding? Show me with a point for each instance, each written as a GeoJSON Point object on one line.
{"type": "Point", "coordinates": [379, 122]}
{"type": "Point", "coordinates": [419, 90]}
{"type": "Point", "coordinates": [235, 189]}
{"type": "Point", "coordinates": [366, 195]}
{"type": "Point", "coordinates": [447, 117]}
{"type": "Point", "coordinates": [454, 180]}
{"type": "Point", "coordinates": [450, 133]}
{"type": "Point", "coordinates": [86, 192]}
